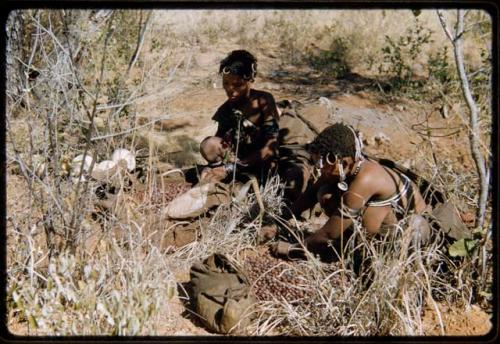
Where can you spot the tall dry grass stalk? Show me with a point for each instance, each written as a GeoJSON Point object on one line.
{"type": "Point", "coordinates": [73, 269]}
{"type": "Point", "coordinates": [117, 290]}
{"type": "Point", "coordinates": [234, 227]}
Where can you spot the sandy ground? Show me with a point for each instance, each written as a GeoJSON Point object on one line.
{"type": "Point", "coordinates": [456, 321]}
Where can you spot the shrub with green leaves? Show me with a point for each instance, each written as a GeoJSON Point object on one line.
{"type": "Point", "coordinates": [439, 67]}
{"type": "Point", "coordinates": [400, 55]}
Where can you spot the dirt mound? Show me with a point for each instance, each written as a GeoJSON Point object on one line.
{"type": "Point", "coordinates": [457, 322]}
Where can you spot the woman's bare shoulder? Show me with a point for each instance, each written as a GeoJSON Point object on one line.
{"type": "Point", "coordinates": [262, 95]}
{"type": "Point", "coordinates": [369, 176]}
{"type": "Point", "coordinates": [376, 178]}
{"type": "Point", "coordinates": [370, 169]}
{"type": "Point", "coordinates": [366, 184]}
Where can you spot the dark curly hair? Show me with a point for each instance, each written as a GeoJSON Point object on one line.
{"type": "Point", "coordinates": [337, 139]}
{"type": "Point", "coordinates": [240, 62]}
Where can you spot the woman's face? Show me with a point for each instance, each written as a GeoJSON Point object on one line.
{"type": "Point", "coordinates": [236, 87]}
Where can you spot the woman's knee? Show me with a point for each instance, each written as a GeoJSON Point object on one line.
{"type": "Point", "coordinates": [211, 148]}
{"type": "Point", "coordinates": [325, 194]}
{"type": "Point", "coordinates": [295, 181]}
{"type": "Point", "coordinates": [376, 217]}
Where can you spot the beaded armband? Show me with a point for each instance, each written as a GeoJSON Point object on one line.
{"type": "Point", "coordinates": [349, 212]}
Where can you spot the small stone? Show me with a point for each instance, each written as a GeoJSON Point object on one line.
{"type": "Point", "coordinates": [381, 138]}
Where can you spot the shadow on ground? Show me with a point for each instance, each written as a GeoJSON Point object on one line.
{"type": "Point", "coordinates": [185, 292]}
{"type": "Point", "coordinates": [349, 83]}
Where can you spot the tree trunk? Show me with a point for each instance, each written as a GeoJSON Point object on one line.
{"type": "Point", "coordinates": [474, 131]}
{"type": "Point", "coordinates": [14, 56]}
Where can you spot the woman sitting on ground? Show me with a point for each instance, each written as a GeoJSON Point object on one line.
{"type": "Point", "coordinates": [246, 141]}
{"type": "Point", "coordinates": [247, 122]}
{"type": "Point", "coordinates": [350, 187]}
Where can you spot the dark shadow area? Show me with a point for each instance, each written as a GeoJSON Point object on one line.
{"type": "Point", "coordinates": [191, 174]}
{"type": "Point", "coordinates": [354, 82]}
{"type": "Point", "coordinates": [327, 86]}
{"type": "Point", "coordinates": [185, 292]}
{"type": "Point", "coordinates": [328, 70]}
{"type": "Point", "coordinates": [169, 125]}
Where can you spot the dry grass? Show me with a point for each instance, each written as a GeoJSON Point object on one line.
{"type": "Point", "coordinates": [397, 280]}
{"type": "Point", "coordinates": [115, 291]}
{"type": "Point", "coordinates": [295, 30]}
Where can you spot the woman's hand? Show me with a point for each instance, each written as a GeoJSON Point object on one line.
{"type": "Point", "coordinates": [286, 250]}
{"type": "Point", "coordinates": [267, 232]}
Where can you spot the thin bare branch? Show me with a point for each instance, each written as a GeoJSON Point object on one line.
{"type": "Point", "coordinates": [128, 131]}
{"type": "Point", "coordinates": [445, 25]}
{"type": "Point", "coordinates": [140, 41]}
{"type": "Point", "coordinates": [474, 132]}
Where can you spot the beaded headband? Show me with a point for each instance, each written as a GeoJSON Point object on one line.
{"type": "Point", "coordinates": [229, 70]}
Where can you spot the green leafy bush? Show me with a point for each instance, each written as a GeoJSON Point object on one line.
{"type": "Point", "coordinates": [439, 68]}
{"type": "Point", "coordinates": [399, 56]}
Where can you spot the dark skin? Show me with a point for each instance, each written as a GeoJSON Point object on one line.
{"type": "Point", "coordinates": [253, 104]}
{"type": "Point", "coordinates": [372, 182]}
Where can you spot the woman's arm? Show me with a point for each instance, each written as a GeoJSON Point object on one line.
{"type": "Point", "coordinates": [269, 131]}
{"type": "Point", "coordinates": [308, 199]}
{"type": "Point", "coordinates": [331, 230]}
{"type": "Point", "coordinates": [262, 154]}
{"type": "Point", "coordinates": [223, 127]}
{"type": "Point", "coordinates": [353, 200]}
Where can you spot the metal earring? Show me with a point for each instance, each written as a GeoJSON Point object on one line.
{"type": "Point", "coordinates": [327, 158]}
{"type": "Point", "coordinates": [342, 185]}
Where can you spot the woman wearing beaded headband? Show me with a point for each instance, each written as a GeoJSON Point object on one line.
{"type": "Point", "coordinates": [247, 128]}
{"type": "Point", "coordinates": [352, 187]}
{"type": "Point", "coordinates": [247, 122]}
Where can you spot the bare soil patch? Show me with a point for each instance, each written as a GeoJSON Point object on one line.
{"type": "Point", "coordinates": [457, 321]}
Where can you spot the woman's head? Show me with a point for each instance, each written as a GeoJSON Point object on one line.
{"type": "Point", "coordinates": [337, 140]}
{"type": "Point", "coordinates": [334, 149]}
{"type": "Point", "coordinates": [240, 63]}
{"type": "Point", "coordinates": [238, 70]}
